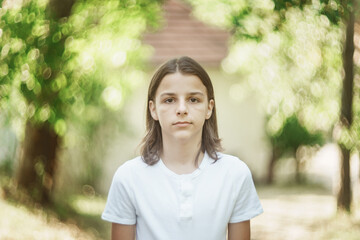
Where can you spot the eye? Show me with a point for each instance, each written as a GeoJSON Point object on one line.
{"type": "Point", "coordinates": [194, 100]}
{"type": "Point", "coordinates": [169, 100]}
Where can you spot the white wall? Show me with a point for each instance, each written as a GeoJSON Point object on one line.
{"type": "Point", "coordinates": [241, 124]}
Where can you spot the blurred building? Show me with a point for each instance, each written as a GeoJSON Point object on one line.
{"type": "Point", "coordinates": [182, 34]}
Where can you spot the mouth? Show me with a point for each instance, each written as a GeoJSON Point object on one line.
{"type": "Point", "coordinates": [182, 123]}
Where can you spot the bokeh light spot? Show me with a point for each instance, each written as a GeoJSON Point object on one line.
{"type": "Point", "coordinates": [118, 59]}
{"type": "Point", "coordinates": [47, 73]}
{"type": "Point", "coordinates": [34, 54]}
{"type": "Point", "coordinates": [60, 127]}
{"type": "Point", "coordinates": [112, 97]}
{"type": "Point", "coordinates": [44, 113]}
{"type": "Point", "coordinates": [56, 37]}
{"type": "Point", "coordinates": [18, 18]}
{"type": "Point", "coordinates": [4, 70]}
{"type": "Point", "coordinates": [87, 61]}
{"type": "Point", "coordinates": [5, 50]}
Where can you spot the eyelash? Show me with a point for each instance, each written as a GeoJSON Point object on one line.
{"type": "Point", "coordinates": [191, 100]}
{"type": "Point", "coordinates": [167, 100]}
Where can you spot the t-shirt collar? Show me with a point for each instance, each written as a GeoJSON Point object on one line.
{"type": "Point", "coordinates": [205, 162]}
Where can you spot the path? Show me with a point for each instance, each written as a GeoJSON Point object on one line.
{"type": "Point", "coordinates": [292, 214]}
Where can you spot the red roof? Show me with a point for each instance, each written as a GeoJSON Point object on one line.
{"type": "Point", "coordinates": [183, 34]}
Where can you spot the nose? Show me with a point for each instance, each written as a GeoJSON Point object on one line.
{"type": "Point", "coordinates": [182, 108]}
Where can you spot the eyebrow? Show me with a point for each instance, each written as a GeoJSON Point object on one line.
{"type": "Point", "coordinates": [173, 94]}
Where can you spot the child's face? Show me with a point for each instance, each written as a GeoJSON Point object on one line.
{"type": "Point", "coordinates": [181, 106]}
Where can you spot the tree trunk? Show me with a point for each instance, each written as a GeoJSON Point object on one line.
{"type": "Point", "coordinates": [299, 167]}
{"type": "Point", "coordinates": [38, 161]}
{"type": "Point", "coordinates": [344, 195]}
{"type": "Point", "coordinates": [271, 166]}
{"type": "Point", "coordinates": [298, 178]}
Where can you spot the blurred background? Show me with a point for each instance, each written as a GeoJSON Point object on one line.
{"type": "Point", "coordinates": [73, 86]}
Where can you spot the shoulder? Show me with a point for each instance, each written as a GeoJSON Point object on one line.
{"type": "Point", "coordinates": [234, 166]}
{"type": "Point", "coordinates": [126, 170]}
{"type": "Point", "coordinates": [232, 161]}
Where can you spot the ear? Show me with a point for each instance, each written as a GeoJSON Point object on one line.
{"type": "Point", "coordinates": [152, 110]}
{"type": "Point", "coordinates": [210, 109]}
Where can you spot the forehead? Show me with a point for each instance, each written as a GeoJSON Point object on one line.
{"type": "Point", "coordinates": [179, 83]}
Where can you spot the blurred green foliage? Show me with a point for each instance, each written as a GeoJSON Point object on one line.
{"type": "Point", "coordinates": [296, 68]}
{"type": "Point", "coordinates": [338, 13]}
{"type": "Point", "coordinates": [293, 135]}
{"type": "Point", "coordinates": [301, 62]}
{"type": "Point", "coordinates": [70, 68]}
{"type": "Point", "coordinates": [293, 139]}
{"type": "Point", "coordinates": [334, 10]}
{"type": "Point", "coordinates": [72, 72]}
{"type": "Point", "coordinates": [290, 54]}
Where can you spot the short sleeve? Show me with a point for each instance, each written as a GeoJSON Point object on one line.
{"type": "Point", "coordinates": [247, 203]}
{"type": "Point", "coordinates": [119, 207]}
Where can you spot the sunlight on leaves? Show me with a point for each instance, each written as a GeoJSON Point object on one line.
{"type": "Point", "coordinates": [112, 97]}
{"type": "Point", "coordinates": [88, 205]}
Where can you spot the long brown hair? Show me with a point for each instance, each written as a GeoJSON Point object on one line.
{"type": "Point", "coordinates": [152, 142]}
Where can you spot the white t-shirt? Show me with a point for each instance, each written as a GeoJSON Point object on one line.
{"type": "Point", "coordinates": [199, 205]}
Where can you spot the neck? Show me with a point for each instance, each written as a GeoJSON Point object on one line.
{"type": "Point", "coordinates": [180, 156]}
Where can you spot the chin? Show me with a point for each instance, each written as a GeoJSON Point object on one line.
{"type": "Point", "coordinates": [184, 136]}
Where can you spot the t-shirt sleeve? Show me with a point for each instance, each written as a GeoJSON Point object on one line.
{"type": "Point", "coordinates": [119, 207]}
{"type": "Point", "coordinates": [247, 203]}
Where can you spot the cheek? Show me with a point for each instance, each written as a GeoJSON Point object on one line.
{"type": "Point", "coordinates": [203, 109]}
{"type": "Point", "coordinates": [163, 109]}
{"type": "Point", "coordinates": [163, 113]}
